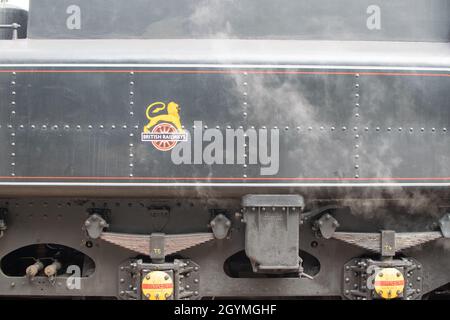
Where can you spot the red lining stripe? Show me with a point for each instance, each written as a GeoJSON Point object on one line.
{"type": "Point", "coordinates": [223, 178]}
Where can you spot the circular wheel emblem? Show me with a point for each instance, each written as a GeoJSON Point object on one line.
{"type": "Point", "coordinates": [164, 128]}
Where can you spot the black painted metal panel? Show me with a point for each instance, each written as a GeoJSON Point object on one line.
{"type": "Point", "coordinates": [404, 127]}
{"type": "Point", "coordinates": [72, 98]}
{"type": "Point", "coordinates": [59, 153]}
{"type": "Point", "coordinates": [5, 98]}
{"type": "Point", "coordinates": [207, 101]}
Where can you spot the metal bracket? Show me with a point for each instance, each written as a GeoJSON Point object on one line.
{"type": "Point", "coordinates": [220, 226]}
{"type": "Point", "coordinates": [388, 243]}
{"type": "Point", "coordinates": [444, 224]}
{"type": "Point", "coordinates": [3, 226]}
{"type": "Point", "coordinates": [327, 226]}
{"type": "Point", "coordinates": [94, 226]}
{"type": "Point", "coordinates": [185, 275]}
{"type": "Point", "coordinates": [272, 232]}
{"type": "Point", "coordinates": [157, 247]}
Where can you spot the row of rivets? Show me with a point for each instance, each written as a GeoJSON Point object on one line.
{"type": "Point", "coordinates": [287, 128]}
{"type": "Point", "coordinates": [13, 113]}
{"type": "Point", "coordinates": [245, 114]}
{"type": "Point", "coordinates": [356, 129]}
{"type": "Point", "coordinates": [131, 134]}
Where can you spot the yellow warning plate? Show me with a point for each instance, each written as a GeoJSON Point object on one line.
{"type": "Point", "coordinates": [389, 283]}
{"type": "Point", "coordinates": [157, 285]}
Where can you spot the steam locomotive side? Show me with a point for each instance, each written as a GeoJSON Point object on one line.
{"type": "Point", "coordinates": [225, 149]}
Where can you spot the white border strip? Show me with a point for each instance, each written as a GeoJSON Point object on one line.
{"type": "Point", "coordinates": [228, 66]}
{"type": "Point", "coordinates": [229, 185]}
